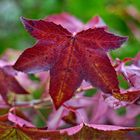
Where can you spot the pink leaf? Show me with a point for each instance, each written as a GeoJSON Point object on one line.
{"type": "Point", "coordinates": [67, 21]}
{"type": "Point", "coordinates": [96, 22]}
{"type": "Point", "coordinates": [18, 120]}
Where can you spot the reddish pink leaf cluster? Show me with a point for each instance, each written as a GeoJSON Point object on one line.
{"type": "Point", "coordinates": [73, 52]}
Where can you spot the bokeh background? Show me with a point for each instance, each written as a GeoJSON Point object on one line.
{"type": "Point", "coordinates": [122, 17]}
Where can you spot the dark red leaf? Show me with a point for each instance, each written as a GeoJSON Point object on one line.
{"type": "Point", "coordinates": [39, 30]}
{"type": "Point", "coordinates": [9, 83]}
{"type": "Point", "coordinates": [98, 38]}
{"type": "Point", "coordinates": [70, 57]}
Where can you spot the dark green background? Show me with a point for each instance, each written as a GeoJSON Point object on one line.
{"type": "Point", "coordinates": [113, 12]}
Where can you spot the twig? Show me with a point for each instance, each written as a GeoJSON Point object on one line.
{"type": "Point", "coordinates": [38, 103]}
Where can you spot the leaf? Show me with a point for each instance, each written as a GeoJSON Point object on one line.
{"type": "Point", "coordinates": [82, 131]}
{"type": "Point", "coordinates": [99, 108]}
{"type": "Point", "coordinates": [132, 74]}
{"type": "Point", "coordinates": [95, 22]}
{"type": "Point", "coordinates": [136, 60]}
{"type": "Point", "coordinates": [67, 21]}
{"type": "Point", "coordinates": [18, 118]}
{"type": "Point", "coordinates": [75, 105]}
{"type": "Point", "coordinates": [8, 82]}
{"type": "Point", "coordinates": [129, 96]}
{"type": "Point", "coordinates": [70, 57]}
{"type": "Point", "coordinates": [115, 103]}
{"type": "Point", "coordinates": [125, 116]}
{"type": "Point", "coordinates": [72, 24]}
{"type": "Point", "coordinates": [8, 132]}
{"type": "Point", "coordinates": [87, 132]}
{"type": "Point", "coordinates": [3, 118]}
{"type": "Point", "coordinates": [70, 118]}
{"type": "Point", "coordinates": [119, 100]}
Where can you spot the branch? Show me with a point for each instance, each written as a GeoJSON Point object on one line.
{"type": "Point", "coordinates": [38, 103]}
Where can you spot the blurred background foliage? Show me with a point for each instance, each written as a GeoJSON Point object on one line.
{"type": "Point", "coordinates": [122, 17]}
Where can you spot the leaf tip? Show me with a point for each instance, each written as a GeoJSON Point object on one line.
{"type": "Point", "coordinates": [15, 66]}
{"type": "Point", "coordinates": [27, 23]}
{"type": "Point", "coordinates": [57, 106]}
{"type": "Point", "coordinates": [23, 19]}
{"type": "Point", "coordinates": [125, 38]}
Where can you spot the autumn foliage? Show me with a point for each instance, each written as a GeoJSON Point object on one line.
{"type": "Point", "coordinates": [77, 58]}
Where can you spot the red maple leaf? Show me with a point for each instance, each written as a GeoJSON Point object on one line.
{"type": "Point", "coordinates": [8, 82]}
{"type": "Point", "coordinates": [70, 56]}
